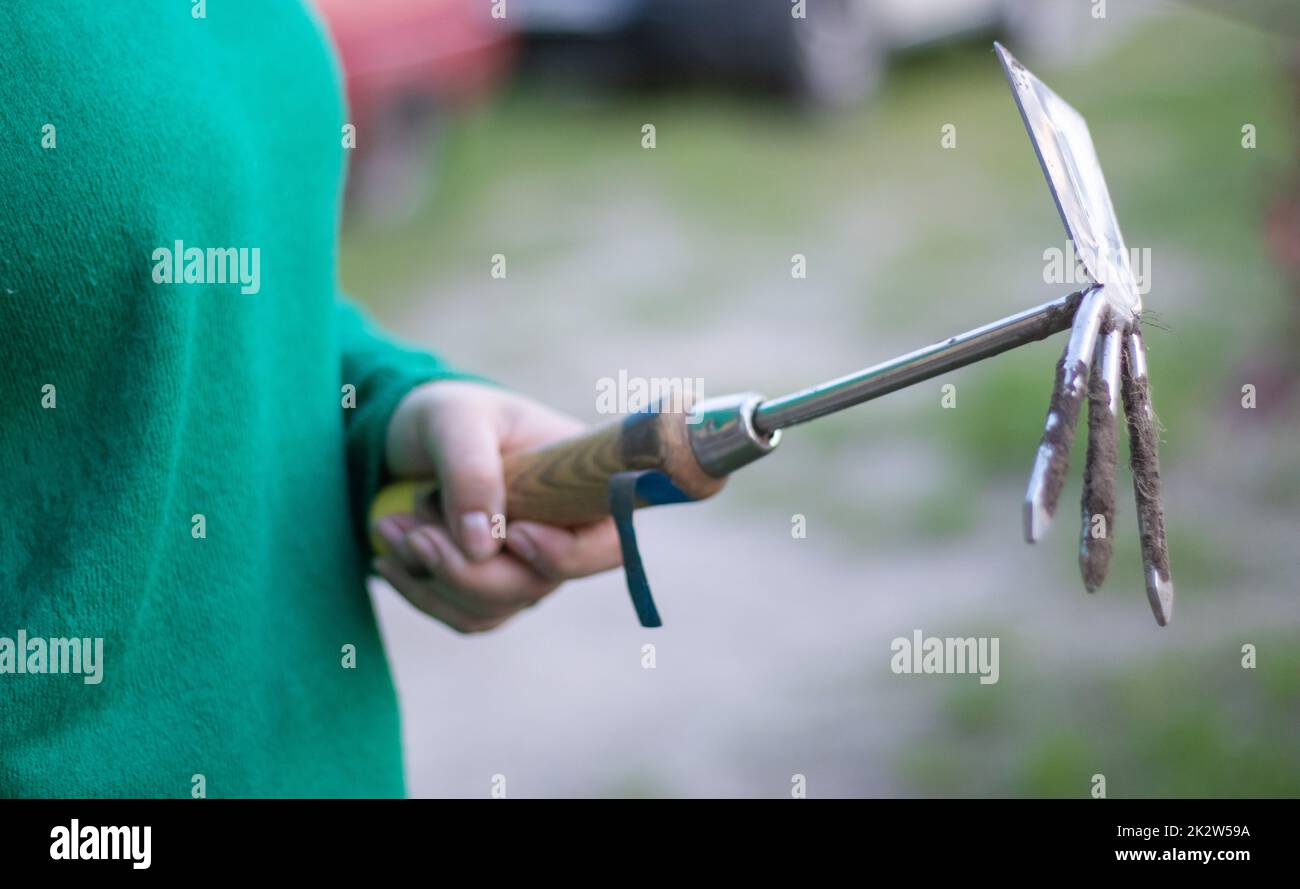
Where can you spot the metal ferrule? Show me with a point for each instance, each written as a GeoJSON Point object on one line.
{"type": "Point", "coordinates": [722, 433]}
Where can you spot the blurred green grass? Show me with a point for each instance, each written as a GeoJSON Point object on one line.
{"type": "Point", "coordinates": [743, 177]}
{"type": "Point", "coordinates": [958, 240]}
{"type": "Point", "coordinates": [755, 173]}
{"type": "Point", "coordinates": [1145, 726]}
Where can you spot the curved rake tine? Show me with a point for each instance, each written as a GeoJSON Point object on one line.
{"type": "Point", "coordinates": [1053, 457]}
{"type": "Point", "coordinates": [1098, 509]}
{"type": "Point", "coordinates": [1144, 460]}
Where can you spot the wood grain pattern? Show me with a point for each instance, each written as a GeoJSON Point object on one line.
{"type": "Point", "coordinates": [566, 482]}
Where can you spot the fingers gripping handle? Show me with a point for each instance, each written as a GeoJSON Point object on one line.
{"type": "Point", "coordinates": [566, 483]}
{"type": "Point", "coordinates": [642, 460]}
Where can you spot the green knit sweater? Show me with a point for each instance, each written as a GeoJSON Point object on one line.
{"type": "Point", "coordinates": [181, 472]}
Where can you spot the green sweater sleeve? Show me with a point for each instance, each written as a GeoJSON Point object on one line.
{"type": "Point", "coordinates": [382, 370]}
{"type": "Point", "coordinates": [179, 483]}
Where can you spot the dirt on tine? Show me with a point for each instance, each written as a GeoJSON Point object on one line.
{"type": "Point", "coordinates": [1144, 459]}
{"type": "Point", "coordinates": [1059, 436]}
{"type": "Point", "coordinates": [1099, 475]}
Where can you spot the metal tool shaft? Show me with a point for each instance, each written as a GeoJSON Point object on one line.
{"type": "Point", "coordinates": [958, 351]}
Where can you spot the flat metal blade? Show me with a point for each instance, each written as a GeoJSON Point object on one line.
{"type": "Point", "coordinates": [1068, 157]}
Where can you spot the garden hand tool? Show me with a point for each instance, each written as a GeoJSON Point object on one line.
{"type": "Point", "coordinates": [672, 456]}
{"type": "Point", "coordinates": [1104, 360]}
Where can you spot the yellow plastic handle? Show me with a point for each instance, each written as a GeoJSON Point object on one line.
{"type": "Point", "coordinates": [404, 497]}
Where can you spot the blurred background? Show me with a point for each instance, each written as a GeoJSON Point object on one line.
{"type": "Point", "coordinates": [522, 136]}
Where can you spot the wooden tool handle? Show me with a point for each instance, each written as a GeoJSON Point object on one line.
{"type": "Point", "coordinates": [566, 482]}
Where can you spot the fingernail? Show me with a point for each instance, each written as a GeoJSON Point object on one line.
{"type": "Point", "coordinates": [523, 545]}
{"type": "Point", "coordinates": [476, 535]}
{"type": "Point", "coordinates": [426, 549]}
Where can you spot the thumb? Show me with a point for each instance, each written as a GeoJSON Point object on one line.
{"type": "Point", "coordinates": [463, 442]}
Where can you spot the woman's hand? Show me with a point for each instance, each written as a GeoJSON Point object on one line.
{"type": "Point", "coordinates": [452, 567]}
